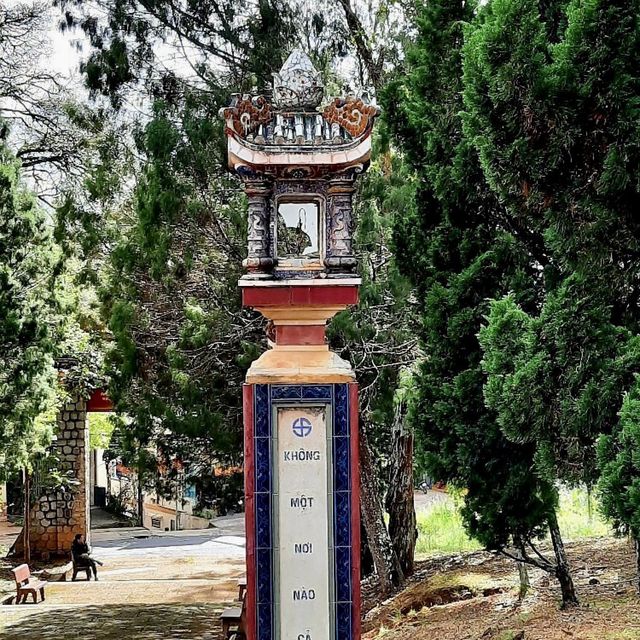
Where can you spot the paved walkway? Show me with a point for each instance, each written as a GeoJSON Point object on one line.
{"type": "Point", "coordinates": [111, 622]}
{"type": "Point", "coordinates": [103, 519]}
{"type": "Point", "coordinates": [169, 585]}
{"type": "Point", "coordinates": [8, 533]}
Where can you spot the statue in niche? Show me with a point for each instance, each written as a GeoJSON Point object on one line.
{"type": "Point", "coordinates": [298, 231]}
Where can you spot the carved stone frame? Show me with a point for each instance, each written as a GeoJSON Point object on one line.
{"type": "Point", "coordinates": [301, 263]}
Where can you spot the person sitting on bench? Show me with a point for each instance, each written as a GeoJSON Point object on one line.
{"type": "Point", "coordinates": [81, 557]}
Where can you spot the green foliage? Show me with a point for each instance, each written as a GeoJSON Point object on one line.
{"type": "Point", "coordinates": [555, 121]}
{"type": "Point", "coordinates": [551, 104]}
{"type": "Point", "coordinates": [101, 427]}
{"type": "Point", "coordinates": [220, 494]}
{"type": "Point", "coordinates": [619, 457]}
{"type": "Point", "coordinates": [544, 388]}
{"type": "Point", "coordinates": [29, 322]}
{"type": "Point", "coordinates": [441, 530]}
{"type": "Point", "coordinates": [181, 339]}
{"type": "Point", "coordinates": [579, 515]}
{"type": "Point", "coordinates": [458, 256]}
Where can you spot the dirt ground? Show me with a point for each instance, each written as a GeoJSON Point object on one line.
{"type": "Point", "coordinates": [171, 588]}
{"type": "Point", "coordinates": [474, 597]}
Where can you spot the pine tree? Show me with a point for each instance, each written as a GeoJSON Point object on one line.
{"type": "Point", "coordinates": [29, 320]}
{"type": "Point", "coordinates": [553, 112]}
{"type": "Point", "coordinates": [182, 341]}
{"type": "Point", "coordinates": [460, 249]}
{"type": "Point", "coordinates": [551, 105]}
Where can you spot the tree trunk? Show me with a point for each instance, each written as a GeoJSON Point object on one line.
{"type": "Point", "coordinates": [567, 588]}
{"type": "Point", "coordinates": [26, 529]}
{"type": "Point", "coordinates": [399, 502]}
{"type": "Point", "coordinates": [384, 557]}
{"type": "Point", "coordinates": [523, 574]}
{"type": "Point", "coordinates": [140, 502]}
{"type": "Point", "coordinates": [525, 583]}
{"type": "Point", "coordinates": [636, 542]}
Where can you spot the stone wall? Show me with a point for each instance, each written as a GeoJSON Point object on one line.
{"type": "Point", "coordinates": [57, 516]}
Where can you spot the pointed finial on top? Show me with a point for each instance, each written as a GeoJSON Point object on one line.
{"type": "Point", "coordinates": [298, 85]}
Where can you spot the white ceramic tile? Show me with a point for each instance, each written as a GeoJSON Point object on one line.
{"type": "Point", "coordinates": [303, 524]}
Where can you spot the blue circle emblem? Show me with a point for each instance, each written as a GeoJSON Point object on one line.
{"type": "Point", "coordinates": [301, 427]}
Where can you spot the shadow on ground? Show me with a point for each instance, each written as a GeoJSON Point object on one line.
{"type": "Point", "coordinates": [113, 622]}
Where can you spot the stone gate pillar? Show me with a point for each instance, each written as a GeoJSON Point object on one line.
{"type": "Point", "coordinates": [299, 164]}
{"type": "Point", "coordinates": [58, 515]}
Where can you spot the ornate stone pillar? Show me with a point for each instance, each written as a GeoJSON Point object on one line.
{"type": "Point", "coordinates": [340, 256]}
{"type": "Point", "coordinates": [260, 257]}
{"type": "Point", "coordinates": [302, 482]}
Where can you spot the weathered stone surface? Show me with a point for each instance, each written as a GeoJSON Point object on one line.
{"type": "Point", "coordinates": [58, 516]}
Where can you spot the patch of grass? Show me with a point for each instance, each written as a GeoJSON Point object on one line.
{"type": "Point", "coordinates": [440, 530]}
{"type": "Point", "coordinates": [475, 582]}
{"type": "Point", "coordinates": [507, 635]}
{"type": "Point", "coordinates": [605, 605]}
{"type": "Point", "coordinates": [579, 516]}
{"type": "Point", "coordinates": [627, 634]}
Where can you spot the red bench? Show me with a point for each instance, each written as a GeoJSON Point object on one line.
{"type": "Point", "coordinates": [24, 587]}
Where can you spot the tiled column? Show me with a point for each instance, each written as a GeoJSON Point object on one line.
{"type": "Point", "coordinates": [271, 547]}
{"type": "Point", "coordinates": [301, 472]}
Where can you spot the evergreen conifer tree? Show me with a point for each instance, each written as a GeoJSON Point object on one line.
{"type": "Point", "coordinates": [552, 106]}
{"type": "Point", "coordinates": [29, 320]}
{"type": "Point", "coordinates": [460, 249]}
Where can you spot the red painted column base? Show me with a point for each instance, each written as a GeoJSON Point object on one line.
{"type": "Point", "coordinates": [249, 512]}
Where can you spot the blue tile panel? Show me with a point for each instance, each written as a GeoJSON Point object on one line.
{"type": "Point", "coordinates": [337, 396]}
{"type": "Point", "coordinates": [262, 501]}
{"type": "Point", "coordinates": [343, 588]}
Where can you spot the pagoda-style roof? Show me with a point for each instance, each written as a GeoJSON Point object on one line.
{"type": "Point", "coordinates": [291, 134]}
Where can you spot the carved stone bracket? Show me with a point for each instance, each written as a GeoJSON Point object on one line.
{"type": "Point", "coordinates": [259, 259]}
{"type": "Point", "coordinates": [340, 256]}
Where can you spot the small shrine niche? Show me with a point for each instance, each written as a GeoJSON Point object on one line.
{"type": "Point", "coordinates": [298, 158]}
{"type": "Point", "coordinates": [298, 231]}
{"type": "Point", "coordinates": [299, 162]}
